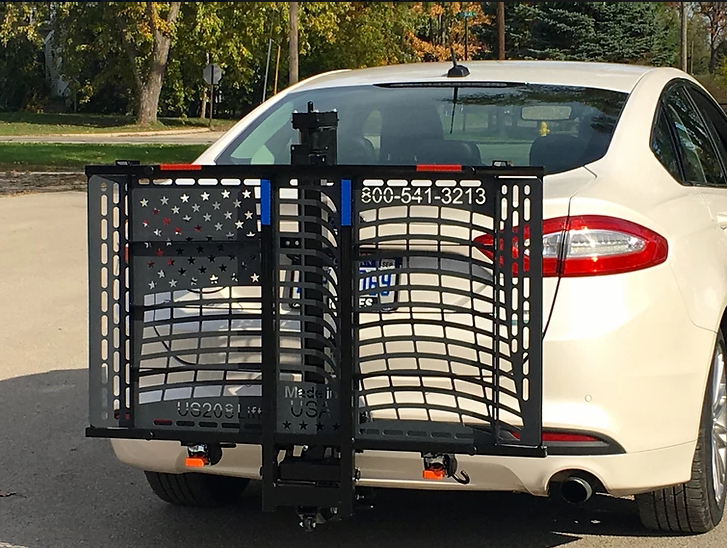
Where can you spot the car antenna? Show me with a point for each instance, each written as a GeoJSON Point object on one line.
{"type": "Point", "coordinates": [457, 71]}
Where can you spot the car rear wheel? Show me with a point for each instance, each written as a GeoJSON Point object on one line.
{"type": "Point", "coordinates": [698, 505]}
{"type": "Point", "coordinates": [202, 490]}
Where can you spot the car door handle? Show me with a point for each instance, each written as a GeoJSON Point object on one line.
{"type": "Point", "coordinates": [722, 220]}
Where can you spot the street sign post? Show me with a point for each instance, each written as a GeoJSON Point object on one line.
{"type": "Point", "coordinates": [212, 75]}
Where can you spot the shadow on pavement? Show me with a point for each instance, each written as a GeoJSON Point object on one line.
{"type": "Point", "coordinates": [71, 492]}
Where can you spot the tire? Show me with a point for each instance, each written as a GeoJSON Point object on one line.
{"type": "Point", "coordinates": [694, 507]}
{"type": "Point", "coordinates": [201, 490]}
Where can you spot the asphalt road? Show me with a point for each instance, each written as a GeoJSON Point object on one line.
{"type": "Point", "coordinates": [58, 489]}
{"type": "Point", "coordinates": [160, 137]}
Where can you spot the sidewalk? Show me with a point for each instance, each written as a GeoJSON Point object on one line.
{"type": "Point", "coordinates": [171, 137]}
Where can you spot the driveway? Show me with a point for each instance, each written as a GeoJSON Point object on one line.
{"type": "Point", "coordinates": [61, 490]}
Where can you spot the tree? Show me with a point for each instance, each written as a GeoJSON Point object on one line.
{"type": "Point", "coordinates": [625, 32]}
{"type": "Point", "coordinates": [144, 28]}
{"type": "Point", "coordinates": [440, 26]}
{"type": "Point", "coordinates": [337, 35]}
{"type": "Point", "coordinates": [121, 46]}
{"type": "Point", "coordinates": [715, 13]}
{"type": "Point", "coordinates": [22, 82]}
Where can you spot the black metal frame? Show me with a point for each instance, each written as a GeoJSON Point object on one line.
{"type": "Point", "coordinates": [339, 228]}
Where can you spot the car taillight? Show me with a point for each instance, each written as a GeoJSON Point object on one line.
{"type": "Point", "coordinates": [588, 245]}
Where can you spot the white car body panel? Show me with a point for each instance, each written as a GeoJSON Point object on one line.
{"type": "Point", "coordinates": [625, 356]}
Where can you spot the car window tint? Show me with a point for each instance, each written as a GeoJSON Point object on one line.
{"type": "Point", "coordinates": [663, 145]}
{"type": "Point", "coordinates": [557, 127]}
{"type": "Point", "coordinates": [699, 157]}
{"type": "Point", "coordinates": [715, 118]}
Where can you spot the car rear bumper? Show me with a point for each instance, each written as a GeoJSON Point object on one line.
{"type": "Point", "coordinates": [621, 475]}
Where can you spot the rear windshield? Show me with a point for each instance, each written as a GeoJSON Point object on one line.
{"type": "Point", "coordinates": [558, 127]}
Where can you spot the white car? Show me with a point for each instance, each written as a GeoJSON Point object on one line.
{"type": "Point", "coordinates": [634, 270]}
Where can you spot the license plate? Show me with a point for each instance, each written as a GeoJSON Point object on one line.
{"type": "Point", "coordinates": [372, 288]}
{"type": "Point", "coordinates": [368, 296]}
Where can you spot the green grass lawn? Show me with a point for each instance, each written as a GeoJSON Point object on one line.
{"type": "Point", "coordinates": [62, 156]}
{"type": "Point", "coordinates": [24, 123]}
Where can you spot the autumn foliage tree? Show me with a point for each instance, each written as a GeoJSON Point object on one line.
{"type": "Point", "coordinates": [715, 14]}
{"type": "Point", "coordinates": [440, 26]}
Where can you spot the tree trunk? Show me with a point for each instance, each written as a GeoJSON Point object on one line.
{"type": "Point", "coordinates": [203, 108]}
{"type": "Point", "coordinates": [684, 37]}
{"type": "Point", "coordinates": [149, 96]}
{"type": "Point", "coordinates": [293, 63]}
{"type": "Point", "coordinates": [501, 30]}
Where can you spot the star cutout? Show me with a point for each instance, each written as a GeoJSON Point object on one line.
{"type": "Point", "coordinates": [246, 194]}
{"type": "Point", "coordinates": [194, 281]}
{"type": "Point", "coordinates": [205, 196]}
{"type": "Point", "coordinates": [319, 426]}
{"type": "Point", "coordinates": [172, 283]}
{"type": "Point", "coordinates": [167, 220]}
{"type": "Point", "coordinates": [286, 425]}
{"type": "Point", "coordinates": [182, 272]}
{"type": "Point", "coordinates": [230, 235]}
{"type": "Point", "coordinates": [150, 264]}
{"type": "Point", "coordinates": [195, 207]}
{"type": "Point", "coordinates": [228, 214]}
{"type": "Point", "coordinates": [144, 202]}
{"type": "Point", "coordinates": [175, 210]}
{"type": "Point", "coordinates": [160, 252]}
{"type": "Point", "coordinates": [213, 279]}
{"type": "Point", "coordinates": [248, 215]}
{"type": "Point", "coordinates": [184, 198]}
{"type": "Point", "coordinates": [152, 285]}
{"type": "Point", "coordinates": [158, 232]}
{"type": "Point", "coordinates": [218, 226]}
{"type": "Point", "coordinates": [303, 425]}
{"type": "Point", "coordinates": [155, 211]}
{"type": "Point", "coordinates": [170, 262]}
{"type": "Point", "coordinates": [191, 260]}
{"type": "Point", "coordinates": [223, 267]}
{"type": "Point", "coordinates": [237, 203]}
{"type": "Point", "coordinates": [200, 249]}
{"type": "Point", "coordinates": [198, 228]}
{"type": "Point", "coordinates": [178, 231]}
{"type": "Point", "coordinates": [216, 205]}
{"type": "Point", "coordinates": [180, 251]}
{"type": "Point", "coordinates": [225, 193]}
{"type": "Point", "coordinates": [165, 200]}
{"type": "Point", "coordinates": [250, 234]}
{"type": "Point", "coordinates": [144, 223]}
{"type": "Point", "coordinates": [239, 225]}
{"type": "Point", "coordinates": [207, 217]}
{"type": "Point", "coordinates": [255, 278]}
{"type": "Point", "coordinates": [202, 269]}
{"type": "Point", "coordinates": [161, 273]}
{"type": "Point", "coordinates": [186, 218]}
{"type": "Point", "coordinates": [335, 427]}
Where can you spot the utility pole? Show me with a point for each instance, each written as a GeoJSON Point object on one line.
{"type": "Point", "coordinates": [293, 62]}
{"type": "Point", "coordinates": [501, 30]}
{"type": "Point", "coordinates": [683, 44]}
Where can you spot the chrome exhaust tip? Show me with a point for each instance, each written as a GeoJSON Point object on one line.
{"type": "Point", "coordinates": [576, 490]}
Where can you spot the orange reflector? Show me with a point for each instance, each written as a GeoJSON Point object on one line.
{"type": "Point", "coordinates": [433, 474]}
{"type": "Point", "coordinates": [195, 462]}
{"type": "Point", "coordinates": [180, 167]}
